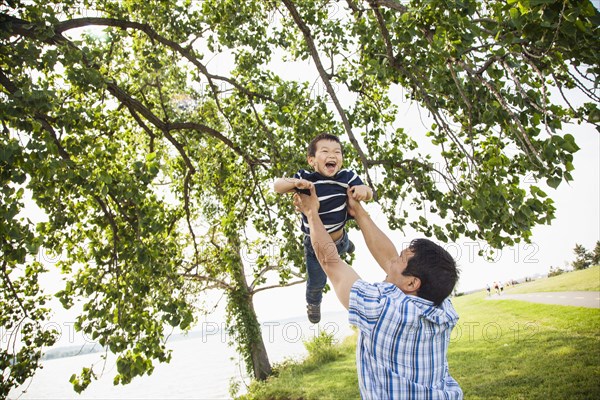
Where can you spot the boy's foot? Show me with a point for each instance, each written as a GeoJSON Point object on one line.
{"type": "Point", "coordinates": [314, 312]}
{"type": "Point", "coordinates": [351, 247]}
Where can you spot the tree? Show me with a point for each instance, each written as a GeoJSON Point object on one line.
{"type": "Point", "coordinates": [596, 254]}
{"type": "Point", "coordinates": [154, 169]}
{"type": "Point", "coordinates": [584, 259]}
{"type": "Point", "coordinates": [555, 271]}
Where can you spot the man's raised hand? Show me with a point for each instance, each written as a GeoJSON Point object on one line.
{"type": "Point", "coordinates": [354, 205]}
{"type": "Point", "coordinates": [305, 203]}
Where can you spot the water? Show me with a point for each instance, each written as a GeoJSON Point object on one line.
{"type": "Point", "coordinates": [201, 368]}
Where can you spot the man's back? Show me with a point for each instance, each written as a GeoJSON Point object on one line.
{"type": "Point", "coordinates": [403, 344]}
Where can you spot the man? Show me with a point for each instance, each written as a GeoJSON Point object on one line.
{"type": "Point", "coordinates": [404, 322]}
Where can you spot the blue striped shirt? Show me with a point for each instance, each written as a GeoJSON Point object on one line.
{"type": "Point", "coordinates": [332, 195]}
{"type": "Point", "coordinates": [402, 345]}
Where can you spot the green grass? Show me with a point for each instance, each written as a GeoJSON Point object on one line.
{"type": "Point", "coordinates": [312, 379]}
{"type": "Point", "coordinates": [499, 350]}
{"type": "Point", "coordinates": [584, 280]}
{"type": "Point", "coordinates": [519, 350]}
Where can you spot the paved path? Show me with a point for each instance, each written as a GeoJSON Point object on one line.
{"type": "Point", "coordinates": [578, 299]}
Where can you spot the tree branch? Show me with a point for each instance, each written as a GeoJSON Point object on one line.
{"type": "Point", "coordinates": [43, 120]}
{"type": "Point", "coordinates": [26, 29]}
{"type": "Point", "coordinates": [253, 292]}
{"type": "Point", "coordinates": [464, 98]}
{"type": "Point", "coordinates": [151, 33]}
{"type": "Point", "coordinates": [205, 278]}
{"type": "Point", "coordinates": [530, 149]}
{"type": "Point", "coordinates": [394, 5]}
{"type": "Point", "coordinates": [261, 274]}
{"type": "Point", "coordinates": [533, 104]}
{"type": "Point", "coordinates": [188, 214]}
{"type": "Point", "coordinates": [450, 180]}
{"type": "Point", "coordinates": [15, 294]}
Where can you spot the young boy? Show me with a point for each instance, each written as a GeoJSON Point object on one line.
{"type": "Point", "coordinates": [331, 182]}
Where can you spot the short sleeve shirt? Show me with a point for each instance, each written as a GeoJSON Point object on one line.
{"type": "Point", "coordinates": [403, 343]}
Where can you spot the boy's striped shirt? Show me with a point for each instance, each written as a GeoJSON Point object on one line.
{"type": "Point", "coordinates": [332, 195]}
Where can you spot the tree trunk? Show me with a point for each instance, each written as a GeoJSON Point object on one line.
{"type": "Point", "coordinates": [260, 359]}
{"type": "Point", "coordinates": [244, 326]}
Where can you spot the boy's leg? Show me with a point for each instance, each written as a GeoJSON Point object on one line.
{"type": "Point", "coordinates": [351, 247]}
{"type": "Point", "coordinates": [316, 277]}
{"type": "Point", "coordinates": [315, 282]}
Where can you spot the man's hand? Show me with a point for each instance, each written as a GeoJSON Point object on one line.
{"type": "Point", "coordinates": [354, 206]}
{"type": "Point", "coordinates": [361, 193]}
{"type": "Point", "coordinates": [307, 204]}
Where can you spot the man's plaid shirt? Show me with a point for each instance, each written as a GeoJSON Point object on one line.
{"type": "Point", "coordinates": [402, 345]}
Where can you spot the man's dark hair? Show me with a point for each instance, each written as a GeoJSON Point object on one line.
{"type": "Point", "coordinates": [436, 269]}
{"type": "Point", "coordinates": [312, 146]}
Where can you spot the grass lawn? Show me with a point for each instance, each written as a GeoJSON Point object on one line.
{"type": "Point", "coordinates": [520, 350]}
{"type": "Point", "coordinates": [499, 350]}
{"type": "Point", "coordinates": [311, 379]}
{"type": "Point", "coordinates": [584, 280]}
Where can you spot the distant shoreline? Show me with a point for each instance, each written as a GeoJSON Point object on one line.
{"type": "Point", "coordinates": [74, 350]}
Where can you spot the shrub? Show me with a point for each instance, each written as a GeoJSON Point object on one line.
{"type": "Point", "coordinates": [321, 348]}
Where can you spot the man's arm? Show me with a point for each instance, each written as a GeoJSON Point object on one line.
{"type": "Point", "coordinates": [380, 246]}
{"type": "Point", "coordinates": [285, 185]}
{"type": "Point", "coordinates": [340, 274]}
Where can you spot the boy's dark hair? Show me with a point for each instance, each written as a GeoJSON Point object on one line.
{"type": "Point", "coordinates": [312, 146]}
{"type": "Point", "coordinates": [436, 269]}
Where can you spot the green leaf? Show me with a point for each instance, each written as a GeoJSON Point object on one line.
{"type": "Point", "coordinates": [553, 182]}
{"type": "Point", "coordinates": [569, 144]}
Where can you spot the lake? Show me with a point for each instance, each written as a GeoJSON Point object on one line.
{"type": "Point", "coordinates": [201, 368]}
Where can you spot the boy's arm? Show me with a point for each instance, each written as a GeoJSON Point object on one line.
{"type": "Point", "coordinates": [340, 274]}
{"type": "Point", "coordinates": [379, 244]}
{"type": "Point", "coordinates": [285, 185]}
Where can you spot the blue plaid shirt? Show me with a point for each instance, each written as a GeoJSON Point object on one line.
{"type": "Point", "coordinates": [402, 344]}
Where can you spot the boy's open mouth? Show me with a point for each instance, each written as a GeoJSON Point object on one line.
{"type": "Point", "coordinates": [330, 166]}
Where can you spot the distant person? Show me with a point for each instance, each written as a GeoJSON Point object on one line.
{"type": "Point", "coordinates": [501, 288]}
{"type": "Point", "coordinates": [496, 288]}
{"type": "Point", "coordinates": [405, 321]}
{"type": "Point", "coordinates": [488, 289]}
{"type": "Point", "coordinates": [331, 182]}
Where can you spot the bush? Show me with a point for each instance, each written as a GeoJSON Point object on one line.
{"type": "Point", "coordinates": [321, 349]}
{"type": "Point", "coordinates": [555, 272]}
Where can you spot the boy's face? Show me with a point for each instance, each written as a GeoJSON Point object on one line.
{"type": "Point", "coordinates": [327, 159]}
